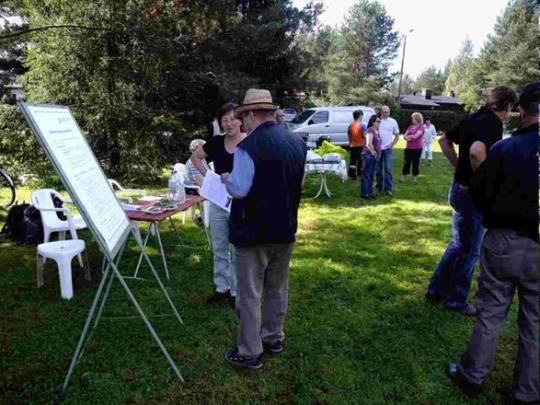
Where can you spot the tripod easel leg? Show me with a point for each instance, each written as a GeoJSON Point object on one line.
{"type": "Point", "coordinates": [167, 296]}
{"type": "Point", "coordinates": [146, 321]}
{"type": "Point", "coordinates": [107, 279]}
{"type": "Point", "coordinates": [85, 329]}
{"type": "Point", "coordinates": [108, 288]}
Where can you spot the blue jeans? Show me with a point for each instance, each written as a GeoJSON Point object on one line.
{"type": "Point", "coordinates": [224, 259]}
{"type": "Point", "coordinates": [386, 162]}
{"type": "Point", "coordinates": [453, 275]}
{"type": "Point", "coordinates": [368, 174]}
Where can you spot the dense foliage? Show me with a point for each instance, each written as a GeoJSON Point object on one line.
{"type": "Point", "coordinates": [145, 77]}
{"type": "Point", "coordinates": [11, 52]}
{"type": "Point", "coordinates": [352, 61]}
{"type": "Point", "coordinates": [509, 56]}
{"type": "Point", "coordinates": [20, 154]}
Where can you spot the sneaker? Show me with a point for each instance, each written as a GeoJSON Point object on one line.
{"type": "Point", "coordinates": [467, 311]}
{"type": "Point", "coordinates": [219, 299]}
{"type": "Point", "coordinates": [232, 357]}
{"type": "Point", "coordinates": [468, 388]}
{"type": "Point", "coordinates": [273, 349]}
{"type": "Point", "coordinates": [388, 193]}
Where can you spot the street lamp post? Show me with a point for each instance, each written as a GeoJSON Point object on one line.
{"type": "Point", "coordinates": [404, 37]}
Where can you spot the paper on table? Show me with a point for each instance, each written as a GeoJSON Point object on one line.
{"type": "Point", "coordinates": [151, 198]}
{"type": "Point", "coordinates": [215, 191]}
{"type": "Point", "coordinates": [130, 207]}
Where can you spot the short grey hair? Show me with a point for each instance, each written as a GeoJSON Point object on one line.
{"type": "Point", "coordinates": [195, 144]}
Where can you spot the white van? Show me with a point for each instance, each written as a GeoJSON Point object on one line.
{"type": "Point", "coordinates": [331, 122]}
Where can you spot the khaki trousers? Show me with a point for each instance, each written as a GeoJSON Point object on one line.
{"type": "Point", "coordinates": [508, 261]}
{"type": "Point", "coordinates": [263, 279]}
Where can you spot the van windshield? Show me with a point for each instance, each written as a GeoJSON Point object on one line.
{"type": "Point", "coordinates": [303, 116]}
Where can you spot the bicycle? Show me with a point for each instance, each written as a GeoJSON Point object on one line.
{"type": "Point", "coordinates": [7, 190]}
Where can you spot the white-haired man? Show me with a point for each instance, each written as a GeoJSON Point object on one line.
{"type": "Point", "coordinates": [389, 131]}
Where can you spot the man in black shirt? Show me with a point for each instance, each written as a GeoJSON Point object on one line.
{"type": "Point", "coordinates": [505, 191]}
{"type": "Point", "coordinates": [451, 281]}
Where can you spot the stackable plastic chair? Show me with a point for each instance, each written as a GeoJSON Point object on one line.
{"type": "Point", "coordinates": [62, 251]}
{"type": "Point", "coordinates": [42, 200]}
{"type": "Point", "coordinates": [119, 190]}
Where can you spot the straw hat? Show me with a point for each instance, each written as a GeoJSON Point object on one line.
{"type": "Point", "coordinates": [256, 99]}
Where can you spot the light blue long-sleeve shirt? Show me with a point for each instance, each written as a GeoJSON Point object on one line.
{"type": "Point", "coordinates": [241, 178]}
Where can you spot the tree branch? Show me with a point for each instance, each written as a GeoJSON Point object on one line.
{"type": "Point", "coordinates": [48, 27]}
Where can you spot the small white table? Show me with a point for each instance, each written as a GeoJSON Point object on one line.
{"type": "Point", "coordinates": [322, 167]}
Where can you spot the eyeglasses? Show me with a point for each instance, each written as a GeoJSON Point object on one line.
{"type": "Point", "coordinates": [377, 120]}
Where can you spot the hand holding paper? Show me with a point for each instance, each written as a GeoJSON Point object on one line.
{"type": "Point", "coordinates": [215, 191]}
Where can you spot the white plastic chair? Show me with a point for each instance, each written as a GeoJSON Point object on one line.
{"type": "Point", "coordinates": [43, 201]}
{"type": "Point", "coordinates": [62, 252]}
{"type": "Point", "coordinates": [118, 189]}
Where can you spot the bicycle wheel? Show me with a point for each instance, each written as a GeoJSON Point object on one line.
{"type": "Point", "coordinates": [7, 190]}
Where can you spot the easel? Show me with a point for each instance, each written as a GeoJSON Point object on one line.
{"type": "Point", "coordinates": [101, 298]}
{"type": "Point", "coordinates": [73, 160]}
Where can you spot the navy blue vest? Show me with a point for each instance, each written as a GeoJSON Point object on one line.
{"type": "Point", "coordinates": [269, 212]}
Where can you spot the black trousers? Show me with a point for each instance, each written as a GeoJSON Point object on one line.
{"type": "Point", "coordinates": [411, 157]}
{"type": "Point", "coordinates": [355, 162]}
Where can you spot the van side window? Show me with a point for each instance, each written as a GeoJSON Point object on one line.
{"type": "Point", "coordinates": [320, 117]}
{"type": "Point", "coordinates": [342, 116]}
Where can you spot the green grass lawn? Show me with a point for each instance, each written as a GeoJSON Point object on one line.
{"type": "Point", "coordinates": [357, 328]}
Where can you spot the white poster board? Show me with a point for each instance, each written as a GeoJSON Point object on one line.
{"type": "Point", "coordinates": [65, 145]}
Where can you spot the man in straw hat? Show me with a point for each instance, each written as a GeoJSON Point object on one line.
{"type": "Point", "coordinates": [266, 185]}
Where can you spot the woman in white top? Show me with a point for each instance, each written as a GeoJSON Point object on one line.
{"type": "Point", "coordinates": [429, 136]}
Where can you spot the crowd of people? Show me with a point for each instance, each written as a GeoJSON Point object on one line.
{"type": "Point", "coordinates": [495, 187]}
{"type": "Point", "coordinates": [371, 150]}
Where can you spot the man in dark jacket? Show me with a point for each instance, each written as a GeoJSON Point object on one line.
{"type": "Point", "coordinates": [505, 191]}
{"type": "Point", "coordinates": [451, 281]}
{"type": "Point", "coordinates": [266, 185]}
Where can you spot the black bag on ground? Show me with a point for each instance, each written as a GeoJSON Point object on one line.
{"type": "Point", "coordinates": [33, 227]}
{"type": "Point", "coordinates": [14, 226]}
{"type": "Point", "coordinates": [24, 225]}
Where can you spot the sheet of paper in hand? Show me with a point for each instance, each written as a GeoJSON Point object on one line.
{"type": "Point", "coordinates": [215, 191]}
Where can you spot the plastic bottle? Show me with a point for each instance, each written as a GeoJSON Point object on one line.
{"type": "Point", "coordinates": [180, 195]}
{"type": "Point", "coordinates": [172, 184]}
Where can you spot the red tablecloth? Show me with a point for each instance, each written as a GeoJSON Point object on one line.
{"type": "Point", "coordinates": [145, 216]}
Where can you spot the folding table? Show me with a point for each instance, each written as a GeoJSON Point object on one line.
{"type": "Point", "coordinates": [155, 220]}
